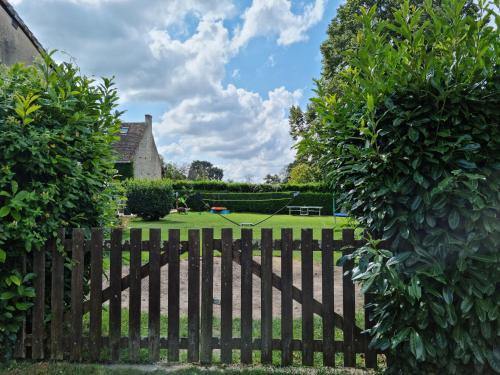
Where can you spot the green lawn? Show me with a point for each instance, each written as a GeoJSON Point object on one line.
{"type": "Point", "coordinates": [198, 220]}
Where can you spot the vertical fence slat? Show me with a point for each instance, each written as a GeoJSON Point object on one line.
{"type": "Point", "coordinates": [57, 302]}
{"type": "Point", "coordinates": [267, 296]}
{"type": "Point", "coordinates": [194, 296]}
{"type": "Point", "coordinates": [20, 349]}
{"type": "Point", "coordinates": [286, 296]}
{"type": "Point", "coordinates": [370, 355]}
{"type": "Point", "coordinates": [226, 296]}
{"type": "Point", "coordinates": [328, 297]}
{"type": "Point", "coordinates": [96, 242]}
{"type": "Point", "coordinates": [246, 296]}
{"type": "Point", "coordinates": [173, 294]}
{"type": "Point", "coordinates": [307, 298]}
{"type": "Point", "coordinates": [38, 327]}
{"type": "Point", "coordinates": [115, 303]}
{"type": "Point", "coordinates": [207, 297]}
{"type": "Point", "coordinates": [348, 301]}
{"type": "Point", "coordinates": [134, 319]}
{"type": "Point", "coordinates": [154, 295]}
{"type": "Point", "coordinates": [77, 253]}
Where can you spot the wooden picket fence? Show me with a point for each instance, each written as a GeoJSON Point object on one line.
{"type": "Point", "coordinates": [64, 338]}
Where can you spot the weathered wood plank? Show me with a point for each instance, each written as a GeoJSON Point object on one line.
{"type": "Point", "coordinates": [286, 296]}
{"type": "Point", "coordinates": [348, 301]}
{"type": "Point", "coordinates": [57, 301]}
{"type": "Point", "coordinates": [307, 298]}
{"type": "Point", "coordinates": [226, 295]}
{"type": "Point", "coordinates": [96, 242]}
{"type": "Point", "coordinates": [77, 294]}
{"type": "Point", "coordinates": [154, 295]}
{"type": "Point", "coordinates": [328, 298]}
{"type": "Point", "coordinates": [134, 320]}
{"type": "Point", "coordinates": [173, 294]}
{"type": "Point", "coordinates": [246, 296]}
{"type": "Point", "coordinates": [370, 355]}
{"type": "Point", "coordinates": [194, 296]}
{"type": "Point", "coordinates": [115, 302]}
{"type": "Point", "coordinates": [38, 316]}
{"type": "Point", "coordinates": [267, 296]}
{"type": "Point", "coordinates": [207, 297]}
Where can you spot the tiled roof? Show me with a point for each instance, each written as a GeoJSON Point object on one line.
{"type": "Point", "coordinates": [129, 141]}
{"type": "Point", "coordinates": [13, 14]}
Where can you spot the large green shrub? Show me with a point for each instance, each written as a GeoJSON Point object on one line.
{"type": "Point", "coordinates": [412, 147]}
{"type": "Point", "coordinates": [265, 203]}
{"type": "Point", "coordinates": [56, 168]}
{"type": "Point", "coordinates": [149, 199]}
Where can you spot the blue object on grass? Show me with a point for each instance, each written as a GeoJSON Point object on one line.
{"type": "Point", "coordinates": [341, 214]}
{"type": "Point", "coordinates": [223, 212]}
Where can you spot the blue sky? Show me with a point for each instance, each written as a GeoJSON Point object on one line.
{"type": "Point", "coordinates": [218, 76]}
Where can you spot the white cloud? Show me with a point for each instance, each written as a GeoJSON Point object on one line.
{"type": "Point", "coordinates": [241, 131]}
{"type": "Point", "coordinates": [268, 17]}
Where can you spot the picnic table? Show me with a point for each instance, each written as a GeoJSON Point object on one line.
{"type": "Point", "coordinates": [304, 210]}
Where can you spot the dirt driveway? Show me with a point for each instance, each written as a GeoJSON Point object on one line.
{"type": "Point", "coordinates": [337, 288]}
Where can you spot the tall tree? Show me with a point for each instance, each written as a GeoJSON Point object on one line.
{"type": "Point", "coordinates": [204, 170]}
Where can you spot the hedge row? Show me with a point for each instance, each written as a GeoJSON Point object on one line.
{"type": "Point", "coordinates": [242, 187]}
{"type": "Point", "coordinates": [265, 203]}
{"type": "Point", "coordinates": [149, 199]}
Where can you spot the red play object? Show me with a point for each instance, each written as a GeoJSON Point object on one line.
{"type": "Point", "coordinates": [218, 208]}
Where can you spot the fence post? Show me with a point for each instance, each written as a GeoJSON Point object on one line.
{"type": "Point", "coordinates": [226, 296]}
{"type": "Point", "coordinates": [267, 296]}
{"type": "Point", "coordinates": [194, 296]}
{"type": "Point", "coordinates": [154, 295]}
{"type": "Point", "coordinates": [207, 296]}
{"type": "Point", "coordinates": [77, 294]}
{"type": "Point", "coordinates": [134, 320]}
{"type": "Point", "coordinates": [370, 355]}
{"type": "Point", "coordinates": [96, 242]}
{"type": "Point", "coordinates": [328, 297]}
{"type": "Point", "coordinates": [115, 302]}
{"type": "Point", "coordinates": [173, 294]}
{"type": "Point", "coordinates": [38, 325]}
{"type": "Point", "coordinates": [307, 299]}
{"type": "Point", "coordinates": [246, 296]}
{"type": "Point", "coordinates": [348, 301]}
{"type": "Point", "coordinates": [286, 296]}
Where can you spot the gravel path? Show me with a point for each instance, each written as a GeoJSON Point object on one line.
{"type": "Point", "coordinates": [337, 288]}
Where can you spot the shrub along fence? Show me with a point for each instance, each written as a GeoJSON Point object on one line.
{"type": "Point", "coordinates": [265, 203]}
{"type": "Point", "coordinates": [58, 334]}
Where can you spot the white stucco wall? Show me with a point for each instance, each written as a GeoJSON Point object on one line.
{"type": "Point", "coordinates": [15, 46]}
{"type": "Point", "coordinates": [147, 163]}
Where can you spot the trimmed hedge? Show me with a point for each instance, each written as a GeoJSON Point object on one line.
{"type": "Point", "coordinates": [265, 203]}
{"type": "Point", "coordinates": [149, 199]}
{"type": "Point", "coordinates": [124, 170]}
{"type": "Point", "coordinates": [242, 187]}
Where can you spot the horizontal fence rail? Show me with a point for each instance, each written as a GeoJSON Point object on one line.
{"type": "Point", "coordinates": [85, 254]}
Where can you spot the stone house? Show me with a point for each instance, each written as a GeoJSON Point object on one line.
{"type": "Point", "coordinates": [17, 42]}
{"type": "Point", "coordinates": [137, 152]}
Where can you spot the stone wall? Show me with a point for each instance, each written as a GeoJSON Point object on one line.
{"type": "Point", "coordinates": [15, 46]}
{"type": "Point", "coordinates": [147, 163]}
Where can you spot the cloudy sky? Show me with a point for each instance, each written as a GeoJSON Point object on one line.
{"type": "Point", "coordinates": [218, 76]}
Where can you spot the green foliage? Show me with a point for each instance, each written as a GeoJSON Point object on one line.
{"type": "Point", "coordinates": [171, 171]}
{"type": "Point", "coordinates": [265, 203]}
{"type": "Point", "coordinates": [124, 170]}
{"type": "Point", "coordinates": [413, 149]}
{"type": "Point", "coordinates": [56, 163]}
{"type": "Point", "coordinates": [204, 170]}
{"type": "Point", "coordinates": [302, 173]}
{"type": "Point", "coordinates": [244, 187]}
{"type": "Point", "coordinates": [149, 199]}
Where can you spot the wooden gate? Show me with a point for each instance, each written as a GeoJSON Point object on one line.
{"type": "Point", "coordinates": [64, 337]}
